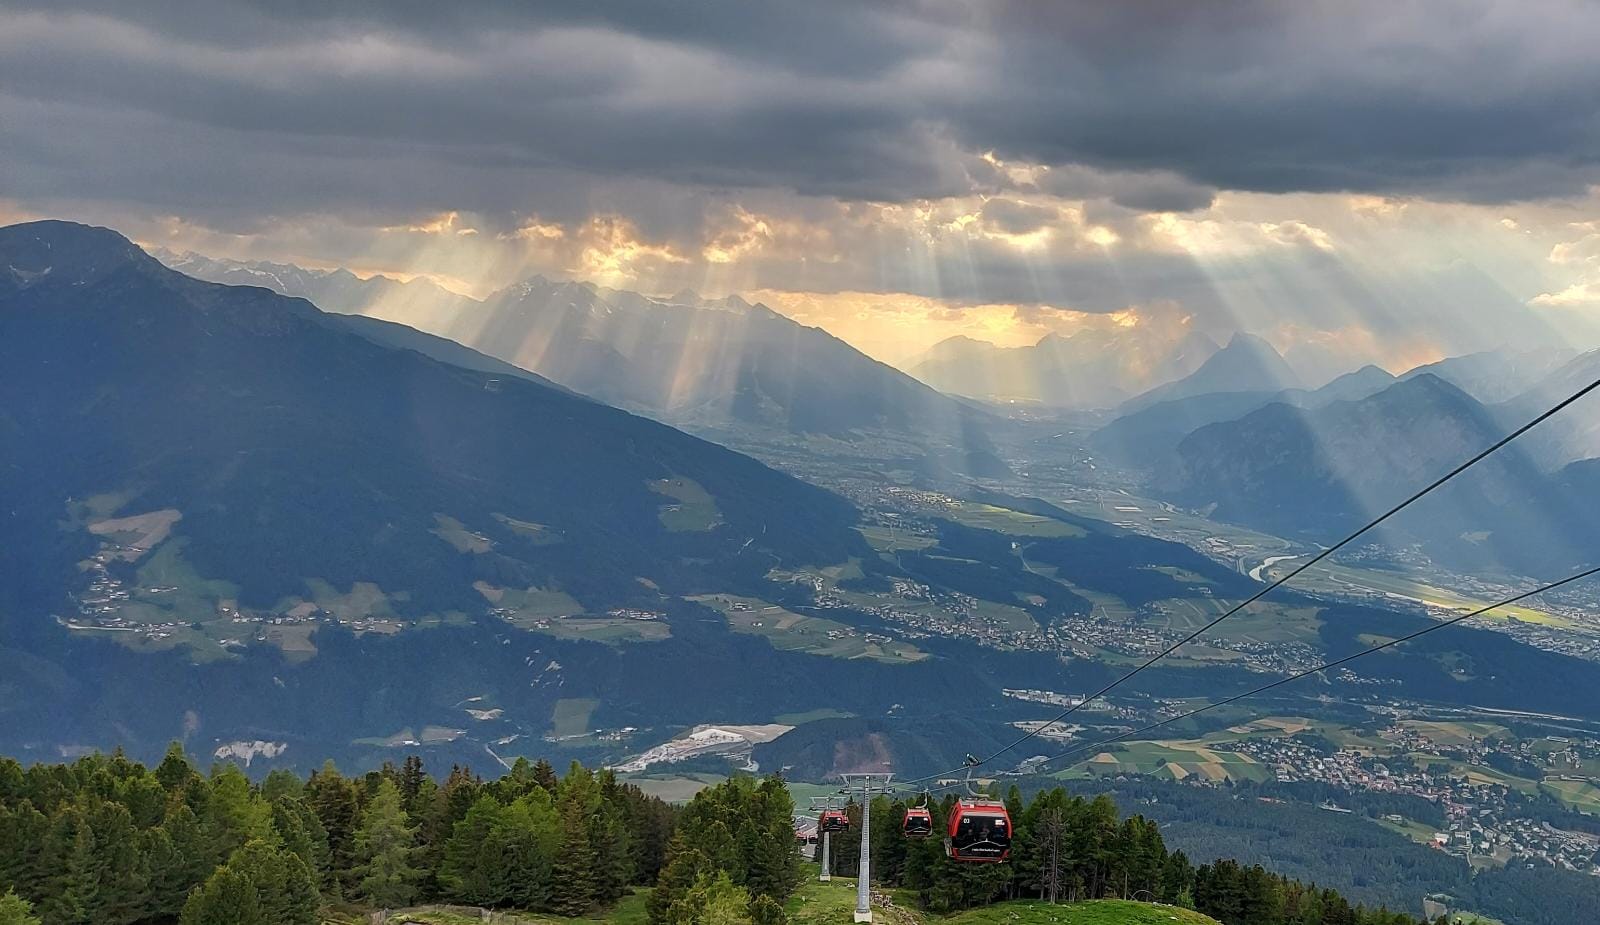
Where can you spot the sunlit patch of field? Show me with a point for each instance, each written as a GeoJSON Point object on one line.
{"type": "Point", "coordinates": [1347, 579]}
{"type": "Point", "coordinates": [1285, 725]}
{"type": "Point", "coordinates": [1005, 520]}
{"type": "Point", "coordinates": [1455, 733]}
{"type": "Point", "coordinates": [811, 716]}
{"type": "Point", "coordinates": [139, 533]}
{"type": "Point", "coordinates": [293, 639]}
{"type": "Point", "coordinates": [678, 788]}
{"type": "Point", "coordinates": [1416, 831]}
{"type": "Point", "coordinates": [1178, 760]}
{"type": "Point", "coordinates": [558, 614]}
{"type": "Point", "coordinates": [430, 735]}
{"type": "Point", "coordinates": [695, 509]}
{"type": "Point", "coordinates": [793, 632]}
{"type": "Point", "coordinates": [455, 533]}
{"type": "Point", "coordinates": [527, 529]}
{"type": "Point", "coordinates": [608, 630]}
{"type": "Point", "coordinates": [1581, 795]}
{"type": "Point", "coordinates": [571, 716]}
{"type": "Point", "coordinates": [529, 604]}
{"type": "Point", "coordinates": [363, 601]}
{"type": "Point", "coordinates": [889, 539]}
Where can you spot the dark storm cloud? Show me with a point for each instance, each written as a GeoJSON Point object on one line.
{"type": "Point", "coordinates": [499, 107]}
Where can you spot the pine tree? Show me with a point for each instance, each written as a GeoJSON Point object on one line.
{"type": "Point", "coordinates": [412, 778]}
{"type": "Point", "coordinates": [120, 868]}
{"type": "Point", "coordinates": [464, 874]}
{"type": "Point", "coordinates": [227, 898]}
{"type": "Point", "coordinates": [285, 891]}
{"type": "Point", "coordinates": [14, 910]}
{"type": "Point", "coordinates": [71, 894]}
{"type": "Point", "coordinates": [684, 866]}
{"type": "Point", "coordinates": [713, 900]}
{"type": "Point", "coordinates": [175, 772]}
{"type": "Point", "coordinates": [764, 910]}
{"type": "Point", "coordinates": [572, 890]}
{"type": "Point", "coordinates": [384, 874]}
{"type": "Point", "coordinates": [236, 812]}
{"type": "Point", "coordinates": [301, 833]}
{"type": "Point", "coordinates": [613, 863]}
{"type": "Point", "coordinates": [545, 776]}
{"type": "Point", "coordinates": [334, 801]}
{"type": "Point", "coordinates": [22, 837]}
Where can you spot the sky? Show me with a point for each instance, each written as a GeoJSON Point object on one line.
{"type": "Point", "coordinates": [1381, 181]}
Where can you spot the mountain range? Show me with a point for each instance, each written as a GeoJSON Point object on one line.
{"type": "Point", "coordinates": [1149, 436]}
{"type": "Point", "coordinates": [1246, 364]}
{"type": "Point", "coordinates": [207, 473]}
{"type": "Point", "coordinates": [1094, 368]}
{"type": "Point", "coordinates": [687, 360]}
{"type": "Point", "coordinates": [1319, 472]}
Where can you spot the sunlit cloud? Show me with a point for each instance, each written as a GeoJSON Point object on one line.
{"type": "Point", "coordinates": [443, 223]}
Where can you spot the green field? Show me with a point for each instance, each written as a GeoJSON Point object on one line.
{"type": "Point", "coordinates": [1578, 794]}
{"type": "Point", "coordinates": [571, 716]}
{"type": "Point", "coordinates": [1173, 761]}
{"type": "Point", "coordinates": [1346, 579]}
{"type": "Point", "coordinates": [888, 539]}
{"type": "Point", "coordinates": [558, 614]}
{"type": "Point", "coordinates": [540, 534]}
{"type": "Point", "coordinates": [630, 910]}
{"type": "Point", "coordinates": [1098, 912]}
{"type": "Point", "coordinates": [455, 533]}
{"type": "Point", "coordinates": [811, 716]}
{"type": "Point", "coordinates": [793, 632]}
{"type": "Point", "coordinates": [1454, 733]}
{"type": "Point", "coordinates": [677, 788]}
{"type": "Point", "coordinates": [1416, 831]}
{"type": "Point", "coordinates": [694, 509]}
{"type": "Point", "coordinates": [1005, 520]}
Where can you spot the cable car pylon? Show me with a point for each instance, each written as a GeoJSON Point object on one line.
{"type": "Point", "coordinates": [870, 784]}
{"type": "Point", "coordinates": [828, 816]}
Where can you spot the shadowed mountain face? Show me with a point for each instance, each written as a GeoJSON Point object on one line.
{"type": "Point", "coordinates": [1246, 364]}
{"type": "Point", "coordinates": [686, 360]}
{"type": "Point", "coordinates": [271, 447]}
{"type": "Point", "coordinates": [1148, 437]}
{"type": "Point", "coordinates": [1320, 473]}
{"type": "Point", "coordinates": [1090, 369]}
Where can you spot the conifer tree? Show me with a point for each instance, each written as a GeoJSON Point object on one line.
{"type": "Point", "coordinates": [71, 894]}
{"type": "Point", "coordinates": [572, 890]}
{"type": "Point", "coordinates": [384, 873]}
{"type": "Point", "coordinates": [334, 801]}
{"type": "Point", "coordinates": [227, 898]}
{"type": "Point", "coordinates": [22, 838]}
{"type": "Point", "coordinates": [284, 886]}
{"type": "Point", "coordinates": [14, 910]}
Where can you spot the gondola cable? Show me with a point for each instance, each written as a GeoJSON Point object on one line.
{"type": "Point", "coordinates": [1292, 573]}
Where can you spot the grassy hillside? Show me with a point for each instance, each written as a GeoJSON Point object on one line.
{"type": "Point", "coordinates": [1099, 912]}
{"type": "Point", "coordinates": [833, 902]}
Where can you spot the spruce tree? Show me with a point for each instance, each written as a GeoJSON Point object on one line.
{"type": "Point", "coordinates": [121, 869]}
{"type": "Point", "coordinates": [227, 898]}
{"type": "Point", "coordinates": [71, 894]}
{"type": "Point", "coordinates": [23, 831]}
{"type": "Point", "coordinates": [14, 910]}
{"type": "Point", "coordinates": [384, 873]}
{"type": "Point", "coordinates": [334, 801]}
{"type": "Point", "coordinates": [572, 890]}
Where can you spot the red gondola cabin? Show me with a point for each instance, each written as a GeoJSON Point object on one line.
{"type": "Point", "coordinates": [918, 823]}
{"type": "Point", "coordinates": [980, 830]}
{"type": "Point", "coordinates": [833, 820]}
